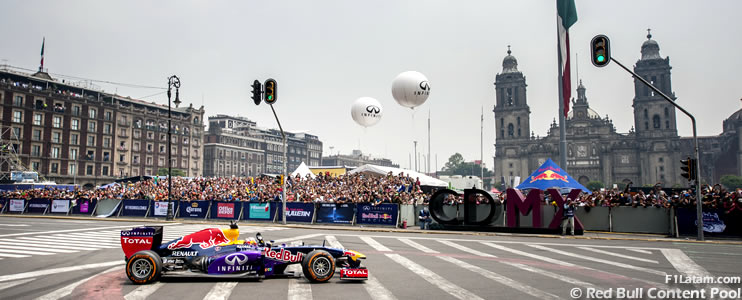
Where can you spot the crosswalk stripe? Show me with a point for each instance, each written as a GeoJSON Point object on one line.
{"type": "Point", "coordinates": [77, 240]}
{"type": "Point", "coordinates": [373, 243]}
{"type": "Point", "coordinates": [531, 255]}
{"type": "Point", "coordinates": [13, 255]}
{"type": "Point", "coordinates": [32, 252]}
{"type": "Point", "coordinates": [44, 272]}
{"type": "Point", "coordinates": [66, 290]}
{"type": "Point", "coordinates": [619, 255]}
{"type": "Point", "coordinates": [466, 249]}
{"type": "Point", "coordinates": [375, 289]}
{"type": "Point", "coordinates": [433, 278]}
{"type": "Point", "coordinates": [297, 238]}
{"type": "Point", "coordinates": [688, 267]}
{"type": "Point", "coordinates": [640, 251]}
{"type": "Point", "coordinates": [75, 230]}
{"type": "Point", "coordinates": [7, 285]}
{"type": "Point", "coordinates": [417, 246]}
{"type": "Point", "coordinates": [501, 279]}
{"type": "Point", "coordinates": [143, 292]}
{"type": "Point", "coordinates": [607, 262]}
{"type": "Point", "coordinates": [221, 290]}
{"type": "Point", "coordinates": [49, 244]}
{"type": "Point", "coordinates": [298, 288]}
{"type": "Point", "coordinates": [70, 242]}
{"type": "Point", "coordinates": [560, 277]}
{"type": "Point", "coordinates": [8, 245]}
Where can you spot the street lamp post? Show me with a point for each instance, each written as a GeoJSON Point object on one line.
{"type": "Point", "coordinates": [172, 81]}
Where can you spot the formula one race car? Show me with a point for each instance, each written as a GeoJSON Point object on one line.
{"type": "Point", "coordinates": [215, 252]}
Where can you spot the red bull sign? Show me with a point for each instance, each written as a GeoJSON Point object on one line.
{"type": "Point", "coordinates": [549, 175]}
{"type": "Point", "coordinates": [206, 238]}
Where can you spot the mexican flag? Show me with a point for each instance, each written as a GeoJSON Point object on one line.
{"type": "Point", "coordinates": [566, 17]}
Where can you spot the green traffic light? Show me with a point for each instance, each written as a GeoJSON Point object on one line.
{"type": "Point", "coordinates": [270, 97]}
{"type": "Point", "coordinates": [601, 58]}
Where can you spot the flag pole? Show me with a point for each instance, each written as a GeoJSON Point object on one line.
{"type": "Point", "coordinates": [562, 129]}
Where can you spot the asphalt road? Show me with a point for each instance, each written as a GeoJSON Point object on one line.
{"type": "Point", "coordinates": [82, 259]}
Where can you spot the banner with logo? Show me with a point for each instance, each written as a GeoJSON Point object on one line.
{"type": "Point", "coordinates": [83, 206]}
{"type": "Point", "coordinates": [193, 209]}
{"type": "Point", "coordinates": [3, 203]}
{"type": "Point", "coordinates": [37, 206]}
{"type": "Point", "coordinates": [225, 210]}
{"type": "Point", "coordinates": [159, 208]}
{"type": "Point", "coordinates": [134, 208]}
{"type": "Point", "coordinates": [296, 211]}
{"type": "Point", "coordinates": [259, 211]}
{"type": "Point", "coordinates": [335, 213]}
{"type": "Point", "coordinates": [16, 205]}
{"type": "Point", "coordinates": [382, 214]}
{"type": "Point", "coordinates": [715, 222]}
{"type": "Point", "coordinates": [60, 206]}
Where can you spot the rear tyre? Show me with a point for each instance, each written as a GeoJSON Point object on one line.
{"type": "Point", "coordinates": [318, 266]}
{"type": "Point", "coordinates": [144, 267]}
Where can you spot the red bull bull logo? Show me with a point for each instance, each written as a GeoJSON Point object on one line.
{"type": "Point", "coordinates": [206, 238]}
{"type": "Point", "coordinates": [549, 175]}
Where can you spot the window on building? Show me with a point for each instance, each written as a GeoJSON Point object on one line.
{"type": "Point", "coordinates": [18, 101]}
{"type": "Point", "coordinates": [17, 116]}
{"type": "Point", "coordinates": [36, 135]}
{"type": "Point", "coordinates": [656, 121]}
{"type": "Point", "coordinates": [35, 165]}
{"type": "Point", "coordinates": [122, 158]}
{"type": "Point", "coordinates": [54, 168]}
{"type": "Point", "coordinates": [135, 159]}
{"type": "Point", "coordinates": [55, 152]}
{"type": "Point", "coordinates": [161, 162]}
{"type": "Point", "coordinates": [37, 119]}
{"type": "Point", "coordinates": [75, 124]}
{"type": "Point", "coordinates": [667, 112]}
{"type": "Point", "coordinates": [135, 147]}
{"type": "Point", "coordinates": [162, 148]}
{"type": "Point", "coordinates": [105, 170]}
{"type": "Point", "coordinates": [667, 124]}
{"type": "Point", "coordinates": [91, 113]}
{"type": "Point", "coordinates": [150, 147]}
{"type": "Point", "coordinates": [72, 168]}
{"type": "Point", "coordinates": [56, 137]}
{"type": "Point", "coordinates": [73, 153]}
{"type": "Point", "coordinates": [91, 126]}
{"type": "Point", "coordinates": [511, 130]}
{"type": "Point", "coordinates": [646, 125]}
{"type": "Point", "coordinates": [107, 128]}
{"type": "Point", "coordinates": [646, 113]}
{"type": "Point", "coordinates": [35, 150]}
{"type": "Point", "coordinates": [106, 156]}
{"type": "Point", "coordinates": [74, 138]}
{"type": "Point", "coordinates": [89, 170]}
{"type": "Point", "coordinates": [91, 141]}
{"type": "Point", "coordinates": [106, 142]}
{"type": "Point", "coordinates": [76, 110]}
{"type": "Point", "coordinates": [57, 122]}
{"type": "Point", "coordinates": [149, 160]}
{"type": "Point", "coordinates": [90, 155]}
{"type": "Point", "coordinates": [108, 116]}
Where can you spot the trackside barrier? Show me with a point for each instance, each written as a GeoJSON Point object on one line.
{"type": "Point", "coordinates": [335, 213]}
{"type": "Point", "coordinates": [409, 213]}
{"type": "Point", "coordinates": [258, 211]}
{"type": "Point", "coordinates": [193, 209]}
{"type": "Point", "coordinates": [134, 208]}
{"type": "Point", "coordinates": [594, 218]}
{"type": "Point", "coordinates": [159, 208]}
{"type": "Point", "coordinates": [225, 210]}
{"type": "Point", "coordinates": [16, 206]}
{"type": "Point", "coordinates": [3, 205]}
{"type": "Point", "coordinates": [716, 222]}
{"type": "Point", "coordinates": [38, 206]}
{"type": "Point", "coordinates": [60, 206]}
{"type": "Point", "coordinates": [641, 219]}
{"type": "Point", "coordinates": [382, 214]}
{"type": "Point", "coordinates": [296, 212]}
{"type": "Point", "coordinates": [88, 206]}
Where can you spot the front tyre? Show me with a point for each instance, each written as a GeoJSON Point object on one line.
{"type": "Point", "coordinates": [318, 266]}
{"type": "Point", "coordinates": [144, 267]}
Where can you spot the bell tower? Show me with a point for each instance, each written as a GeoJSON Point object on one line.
{"type": "Point", "coordinates": [653, 116]}
{"type": "Point", "coordinates": [512, 114]}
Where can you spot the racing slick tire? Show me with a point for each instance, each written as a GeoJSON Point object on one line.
{"type": "Point", "coordinates": [318, 266]}
{"type": "Point", "coordinates": [144, 267]}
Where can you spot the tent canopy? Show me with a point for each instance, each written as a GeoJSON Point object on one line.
{"type": "Point", "coordinates": [425, 180]}
{"type": "Point", "coordinates": [302, 171]}
{"type": "Point", "coordinates": [550, 175]}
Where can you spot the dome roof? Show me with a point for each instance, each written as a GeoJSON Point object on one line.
{"type": "Point", "coordinates": [591, 113]}
{"type": "Point", "coordinates": [509, 63]}
{"type": "Point", "coordinates": [650, 48]}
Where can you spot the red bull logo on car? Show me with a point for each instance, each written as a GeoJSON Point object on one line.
{"type": "Point", "coordinates": [206, 238]}
{"type": "Point", "coordinates": [283, 255]}
{"type": "Point", "coordinates": [549, 175]}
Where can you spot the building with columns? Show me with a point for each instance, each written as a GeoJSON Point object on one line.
{"type": "Point", "coordinates": [650, 152]}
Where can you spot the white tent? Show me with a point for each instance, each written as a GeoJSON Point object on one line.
{"type": "Point", "coordinates": [381, 170]}
{"type": "Point", "coordinates": [302, 171]}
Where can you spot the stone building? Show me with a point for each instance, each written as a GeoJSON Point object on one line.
{"type": "Point", "coordinates": [649, 153]}
{"type": "Point", "coordinates": [81, 135]}
{"type": "Point", "coordinates": [356, 159]}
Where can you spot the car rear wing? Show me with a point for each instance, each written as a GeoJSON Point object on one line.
{"type": "Point", "coordinates": [140, 238]}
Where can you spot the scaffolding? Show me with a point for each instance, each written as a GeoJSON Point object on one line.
{"type": "Point", "coordinates": [10, 160]}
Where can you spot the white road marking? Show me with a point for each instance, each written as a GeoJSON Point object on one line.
{"type": "Point", "coordinates": [501, 279]}
{"type": "Point", "coordinates": [67, 242]}
{"type": "Point", "coordinates": [299, 288]}
{"type": "Point", "coordinates": [26, 251]}
{"type": "Point", "coordinates": [619, 255]}
{"type": "Point", "coordinates": [640, 251]}
{"type": "Point", "coordinates": [297, 238]}
{"type": "Point", "coordinates": [417, 246]}
{"type": "Point", "coordinates": [73, 240]}
{"type": "Point", "coordinates": [46, 244]}
{"type": "Point", "coordinates": [14, 225]}
{"type": "Point", "coordinates": [688, 267]}
{"type": "Point", "coordinates": [13, 255]}
{"type": "Point", "coordinates": [59, 270]}
{"type": "Point", "coordinates": [433, 278]}
{"type": "Point", "coordinates": [607, 262]}
{"type": "Point", "coordinates": [24, 246]}
{"type": "Point", "coordinates": [78, 230]}
{"type": "Point", "coordinates": [7, 285]}
{"type": "Point", "coordinates": [143, 291]}
{"type": "Point", "coordinates": [375, 289]}
{"type": "Point", "coordinates": [373, 243]}
{"type": "Point", "coordinates": [221, 290]}
{"type": "Point", "coordinates": [466, 249]}
{"type": "Point", "coordinates": [570, 280]}
{"type": "Point", "coordinates": [531, 255]}
{"type": "Point", "coordinates": [67, 290]}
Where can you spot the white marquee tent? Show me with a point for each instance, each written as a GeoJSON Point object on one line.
{"type": "Point", "coordinates": [302, 171]}
{"type": "Point", "coordinates": [381, 170]}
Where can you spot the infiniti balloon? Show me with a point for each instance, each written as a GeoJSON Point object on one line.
{"type": "Point", "coordinates": [366, 111]}
{"type": "Point", "coordinates": [410, 89]}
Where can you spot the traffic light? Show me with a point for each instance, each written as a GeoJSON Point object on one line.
{"type": "Point", "coordinates": [256, 93]}
{"type": "Point", "coordinates": [271, 90]}
{"type": "Point", "coordinates": [601, 50]}
{"type": "Point", "coordinates": [688, 166]}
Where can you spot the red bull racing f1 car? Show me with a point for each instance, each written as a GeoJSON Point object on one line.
{"type": "Point", "coordinates": [216, 252]}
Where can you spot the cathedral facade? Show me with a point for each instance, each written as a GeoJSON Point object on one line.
{"type": "Point", "coordinates": [649, 153]}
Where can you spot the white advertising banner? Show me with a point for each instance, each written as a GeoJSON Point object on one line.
{"type": "Point", "coordinates": [16, 205]}
{"type": "Point", "coordinates": [60, 206]}
{"type": "Point", "coordinates": [160, 208]}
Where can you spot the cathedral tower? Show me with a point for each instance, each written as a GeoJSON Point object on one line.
{"type": "Point", "coordinates": [653, 116]}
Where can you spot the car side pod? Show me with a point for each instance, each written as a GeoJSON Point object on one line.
{"type": "Point", "coordinates": [354, 274]}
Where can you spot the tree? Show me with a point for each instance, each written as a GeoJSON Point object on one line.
{"type": "Point", "coordinates": [176, 172]}
{"type": "Point", "coordinates": [594, 185]}
{"type": "Point", "coordinates": [731, 181]}
{"type": "Point", "coordinates": [454, 162]}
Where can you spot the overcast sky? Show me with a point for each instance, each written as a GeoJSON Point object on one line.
{"type": "Point", "coordinates": [326, 54]}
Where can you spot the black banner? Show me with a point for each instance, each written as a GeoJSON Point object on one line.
{"type": "Point", "coordinates": [716, 222]}
{"type": "Point", "coordinates": [382, 214]}
{"type": "Point", "coordinates": [83, 206]}
{"type": "Point", "coordinates": [335, 213]}
{"type": "Point", "coordinates": [193, 209]}
{"type": "Point", "coordinates": [37, 206]}
{"type": "Point", "coordinates": [134, 208]}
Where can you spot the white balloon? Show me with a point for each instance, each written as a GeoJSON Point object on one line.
{"type": "Point", "coordinates": [366, 111]}
{"type": "Point", "coordinates": [410, 89]}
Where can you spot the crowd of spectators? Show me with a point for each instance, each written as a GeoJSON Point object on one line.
{"type": "Point", "coordinates": [349, 188]}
